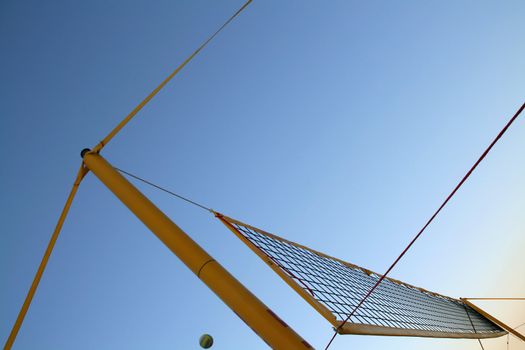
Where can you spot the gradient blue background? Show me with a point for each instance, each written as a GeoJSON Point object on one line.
{"type": "Point", "coordinates": [341, 125]}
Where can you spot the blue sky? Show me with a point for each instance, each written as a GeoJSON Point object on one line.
{"type": "Point", "coordinates": [341, 125]}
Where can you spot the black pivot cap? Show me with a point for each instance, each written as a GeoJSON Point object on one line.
{"type": "Point", "coordinates": [83, 152]}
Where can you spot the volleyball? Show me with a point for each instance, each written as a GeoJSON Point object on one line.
{"type": "Point", "coordinates": [206, 341]}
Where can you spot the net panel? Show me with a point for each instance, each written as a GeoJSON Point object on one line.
{"type": "Point", "coordinates": [395, 308]}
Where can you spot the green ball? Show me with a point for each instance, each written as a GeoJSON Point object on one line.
{"type": "Point", "coordinates": [206, 341]}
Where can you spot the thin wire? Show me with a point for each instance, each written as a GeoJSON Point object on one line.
{"type": "Point", "coordinates": [474, 328]}
{"type": "Point", "coordinates": [481, 344]}
{"type": "Point", "coordinates": [429, 221]}
{"type": "Point", "coordinates": [508, 335]}
{"type": "Point", "coordinates": [165, 190]}
{"type": "Point", "coordinates": [152, 94]}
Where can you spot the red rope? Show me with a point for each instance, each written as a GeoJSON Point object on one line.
{"type": "Point", "coordinates": [429, 221]}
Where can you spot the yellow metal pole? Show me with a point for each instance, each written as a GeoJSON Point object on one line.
{"type": "Point", "coordinates": [494, 319]}
{"type": "Point", "coordinates": [275, 332]}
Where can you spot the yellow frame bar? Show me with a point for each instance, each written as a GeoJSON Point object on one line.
{"type": "Point", "coordinates": [494, 319]}
{"type": "Point", "coordinates": [263, 321]}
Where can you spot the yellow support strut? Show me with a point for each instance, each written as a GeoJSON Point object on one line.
{"type": "Point", "coordinates": [43, 263]}
{"type": "Point", "coordinates": [493, 319]}
{"type": "Point", "coordinates": [275, 332]}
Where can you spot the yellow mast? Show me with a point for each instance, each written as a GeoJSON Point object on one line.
{"type": "Point", "coordinates": [275, 332]}
{"type": "Point", "coordinates": [263, 321]}
{"type": "Point", "coordinates": [83, 171]}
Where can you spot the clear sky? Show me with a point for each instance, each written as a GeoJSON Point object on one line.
{"type": "Point", "coordinates": [340, 125]}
